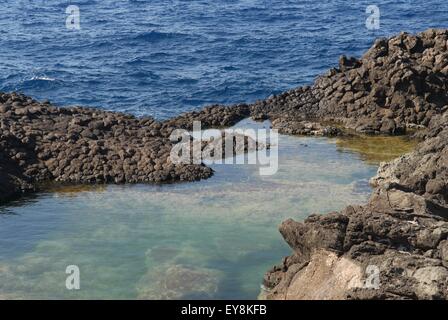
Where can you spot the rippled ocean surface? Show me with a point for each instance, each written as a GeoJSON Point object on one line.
{"type": "Point", "coordinates": [162, 57]}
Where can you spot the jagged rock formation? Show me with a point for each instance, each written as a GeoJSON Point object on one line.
{"type": "Point", "coordinates": [215, 116]}
{"type": "Point", "coordinates": [400, 83]}
{"type": "Point", "coordinates": [42, 143]}
{"type": "Point", "coordinates": [402, 231]}
{"type": "Point", "coordinates": [424, 171]}
{"type": "Point", "coordinates": [285, 125]}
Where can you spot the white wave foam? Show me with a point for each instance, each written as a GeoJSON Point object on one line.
{"type": "Point", "coordinates": [43, 78]}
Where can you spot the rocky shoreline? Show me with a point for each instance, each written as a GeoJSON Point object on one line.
{"type": "Point", "coordinates": [399, 85]}
{"type": "Point", "coordinates": [402, 232]}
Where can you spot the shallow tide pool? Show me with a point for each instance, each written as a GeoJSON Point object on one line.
{"type": "Point", "coordinates": [209, 239]}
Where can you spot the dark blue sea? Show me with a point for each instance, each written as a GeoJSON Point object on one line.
{"type": "Point", "coordinates": [162, 57]}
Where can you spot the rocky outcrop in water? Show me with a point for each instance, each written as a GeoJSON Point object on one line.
{"type": "Point", "coordinates": [215, 116]}
{"type": "Point", "coordinates": [395, 246]}
{"type": "Point", "coordinates": [41, 143]}
{"type": "Point", "coordinates": [285, 125]}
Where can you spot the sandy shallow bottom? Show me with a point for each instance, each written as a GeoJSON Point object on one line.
{"type": "Point", "coordinates": [208, 239]}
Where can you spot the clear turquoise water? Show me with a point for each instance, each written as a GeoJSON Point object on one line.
{"type": "Point", "coordinates": [208, 239]}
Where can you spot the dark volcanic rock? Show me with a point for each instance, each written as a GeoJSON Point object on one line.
{"type": "Point", "coordinates": [300, 103]}
{"type": "Point", "coordinates": [215, 116]}
{"type": "Point", "coordinates": [40, 142]}
{"type": "Point", "coordinates": [286, 125]}
{"type": "Point", "coordinates": [400, 83]}
{"type": "Point", "coordinates": [423, 172]}
{"type": "Point", "coordinates": [402, 232]}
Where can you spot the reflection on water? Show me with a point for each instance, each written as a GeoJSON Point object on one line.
{"type": "Point", "coordinates": [73, 190]}
{"type": "Point", "coordinates": [207, 239]}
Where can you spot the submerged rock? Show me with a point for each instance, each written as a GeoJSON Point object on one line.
{"type": "Point", "coordinates": [178, 282]}
{"type": "Point", "coordinates": [377, 149]}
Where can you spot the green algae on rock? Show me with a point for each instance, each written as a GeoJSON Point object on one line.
{"type": "Point", "coordinates": [377, 149]}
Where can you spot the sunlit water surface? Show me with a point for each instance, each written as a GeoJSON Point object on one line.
{"type": "Point", "coordinates": [208, 239]}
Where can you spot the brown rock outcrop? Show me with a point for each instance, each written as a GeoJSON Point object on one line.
{"type": "Point", "coordinates": [40, 143]}
{"type": "Point", "coordinates": [400, 83]}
